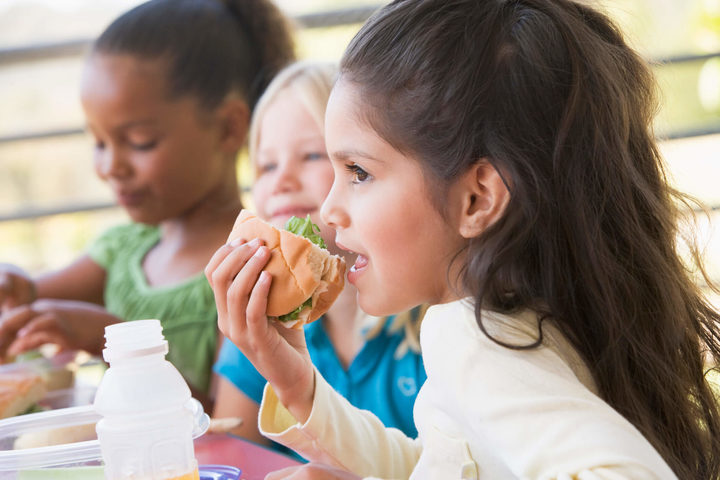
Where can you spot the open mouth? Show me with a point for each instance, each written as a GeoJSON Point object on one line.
{"type": "Point", "coordinates": [129, 199]}
{"type": "Point", "coordinates": [360, 263]}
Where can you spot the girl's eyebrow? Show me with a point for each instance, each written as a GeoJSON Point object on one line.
{"type": "Point", "coordinates": [135, 123]}
{"type": "Point", "coordinates": [348, 154]}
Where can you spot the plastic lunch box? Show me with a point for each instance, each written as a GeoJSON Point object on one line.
{"type": "Point", "coordinates": [79, 460]}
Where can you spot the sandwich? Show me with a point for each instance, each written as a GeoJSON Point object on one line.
{"type": "Point", "coordinates": [56, 436]}
{"type": "Point", "coordinates": [306, 278]}
{"type": "Point", "coordinates": [19, 392]}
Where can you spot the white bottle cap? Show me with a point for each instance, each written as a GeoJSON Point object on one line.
{"type": "Point", "coordinates": [135, 338]}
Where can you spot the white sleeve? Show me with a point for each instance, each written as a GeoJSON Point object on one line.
{"type": "Point", "coordinates": [339, 434]}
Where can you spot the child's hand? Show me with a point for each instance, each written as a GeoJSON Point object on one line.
{"type": "Point", "coordinates": [69, 324]}
{"type": "Point", "coordinates": [312, 471]}
{"type": "Point", "coordinates": [279, 354]}
{"type": "Point", "coordinates": [16, 287]}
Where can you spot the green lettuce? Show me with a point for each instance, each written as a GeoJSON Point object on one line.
{"type": "Point", "coordinates": [288, 317]}
{"type": "Point", "coordinates": [306, 228]}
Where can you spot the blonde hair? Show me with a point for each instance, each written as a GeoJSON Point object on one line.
{"type": "Point", "coordinates": [310, 81]}
{"type": "Point", "coordinates": [408, 322]}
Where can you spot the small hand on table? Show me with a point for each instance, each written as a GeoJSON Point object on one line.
{"type": "Point", "coordinates": [71, 325]}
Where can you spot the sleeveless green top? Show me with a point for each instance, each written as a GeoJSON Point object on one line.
{"type": "Point", "coordinates": [186, 310]}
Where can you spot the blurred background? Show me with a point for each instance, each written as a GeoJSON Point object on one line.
{"type": "Point", "coordinates": [52, 205]}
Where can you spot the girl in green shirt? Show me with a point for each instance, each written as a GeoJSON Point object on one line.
{"type": "Point", "coordinates": [168, 106]}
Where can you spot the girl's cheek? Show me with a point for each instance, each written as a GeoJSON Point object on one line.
{"type": "Point", "coordinates": [259, 194]}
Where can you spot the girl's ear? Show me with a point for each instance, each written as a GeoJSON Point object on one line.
{"type": "Point", "coordinates": [484, 198]}
{"type": "Point", "coordinates": [234, 115]}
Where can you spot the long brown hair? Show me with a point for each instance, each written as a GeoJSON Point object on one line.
{"type": "Point", "coordinates": [549, 92]}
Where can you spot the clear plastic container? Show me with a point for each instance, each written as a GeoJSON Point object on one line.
{"type": "Point", "coordinates": [18, 463]}
{"type": "Point", "coordinates": [143, 413]}
{"type": "Point", "coordinates": [57, 461]}
{"type": "Point", "coordinates": [24, 384]}
{"type": "Point", "coordinates": [77, 396]}
{"type": "Point", "coordinates": [205, 472]}
{"type": "Point", "coordinates": [57, 371]}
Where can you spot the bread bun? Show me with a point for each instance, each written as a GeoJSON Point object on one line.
{"type": "Point", "coordinates": [300, 270]}
{"type": "Point", "coordinates": [19, 390]}
{"type": "Point", "coordinates": [56, 436]}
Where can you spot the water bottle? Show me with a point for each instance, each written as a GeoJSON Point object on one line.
{"type": "Point", "coordinates": [146, 430]}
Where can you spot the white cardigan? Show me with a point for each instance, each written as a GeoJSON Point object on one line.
{"type": "Point", "coordinates": [485, 412]}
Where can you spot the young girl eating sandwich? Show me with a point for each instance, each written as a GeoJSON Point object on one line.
{"type": "Point", "coordinates": [495, 159]}
{"type": "Point", "coordinates": [373, 362]}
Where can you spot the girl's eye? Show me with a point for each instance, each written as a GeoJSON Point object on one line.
{"type": "Point", "coordinates": [316, 156]}
{"type": "Point", "coordinates": [144, 146]}
{"type": "Point", "coordinates": [266, 167]}
{"type": "Point", "coordinates": [359, 175]}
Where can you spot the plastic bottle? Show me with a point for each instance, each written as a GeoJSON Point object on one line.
{"type": "Point", "coordinates": [146, 429]}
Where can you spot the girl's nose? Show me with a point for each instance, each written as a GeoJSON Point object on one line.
{"type": "Point", "coordinates": [110, 163]}
{"type": "Point", "coordinates": [333, 211]}
{"type": "Point", "coordinates": [287, 178]}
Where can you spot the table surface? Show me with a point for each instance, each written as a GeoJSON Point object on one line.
{"type": "Point", "coordinates": [254, 460]}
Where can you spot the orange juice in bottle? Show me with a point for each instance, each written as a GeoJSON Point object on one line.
{"type": "Point", "coordinates": [194, 475]}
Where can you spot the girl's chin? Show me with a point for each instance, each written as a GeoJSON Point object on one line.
{"type": "Point", "coordinates": [141, 217]}
{"type": "Point", "coordinates": [373, 308]}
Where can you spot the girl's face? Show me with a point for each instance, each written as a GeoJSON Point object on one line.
{"type": "Point", "coordinates": [293, 173]}
{"type": "Point", "coordinates": [382, 211]}
{"type": "Point", "coordinates": [162, 158]}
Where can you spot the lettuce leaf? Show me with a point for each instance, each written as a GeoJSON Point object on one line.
{"type": "Point", "coordinates": [306, 228]}
{"type": "Point", "coordinates": [288, 317]}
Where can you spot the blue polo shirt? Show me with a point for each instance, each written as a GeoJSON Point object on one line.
{"type": "Point", "coordinates": [375, 380]}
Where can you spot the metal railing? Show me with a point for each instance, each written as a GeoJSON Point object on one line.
{"type": "Point", "coordinates": [77, 47]}
{"type": "Point", "coordinates": [351, 16]}
{"type": "Point", "coordinates": [73, 48]}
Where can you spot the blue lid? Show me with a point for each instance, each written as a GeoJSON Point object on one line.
{"type": "Point", "coordinates": [219, 472]}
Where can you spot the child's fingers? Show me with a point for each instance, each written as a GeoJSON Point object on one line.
{"type": "Point", "coordinates": [43, 328]}
{"type": "Point", "coordinates": [228, 261]}
{"type": "Point", "coordinates": [221, 275]}
{"type": "Point", "coordinates": [222, 253]}
{"type": "Point", "coordinates": [36, 339]}
{"type": "Point", "coordinates": [216, 260]}
{"type": "Point", "coordinates": [42, 322]}
{"type": "Point", "coordinates": [239, 291]}
{"type": "Point", "coordinates": [257, 305]}
{"type": "Point", "coordinates": [11, 322]}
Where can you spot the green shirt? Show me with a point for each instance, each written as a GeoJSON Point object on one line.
{"type": "Point", "coordinates": [186, 310]}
